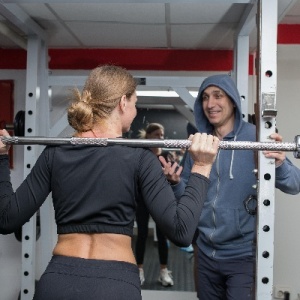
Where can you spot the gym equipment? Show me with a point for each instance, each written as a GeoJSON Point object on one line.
{"type": "Point", "coordinates": [18, 125]}
{"type": "Point", "coordinates": [226, 145]}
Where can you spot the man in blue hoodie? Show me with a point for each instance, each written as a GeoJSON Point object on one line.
{"type": "Point", "coordinates": [226, 231]}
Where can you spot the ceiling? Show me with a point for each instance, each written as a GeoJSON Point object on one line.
{"type": "Point", "coordinates": [201, 24]}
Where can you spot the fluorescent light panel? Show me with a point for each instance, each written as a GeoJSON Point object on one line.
{"type": "Point", "coordinates": [163, 93]}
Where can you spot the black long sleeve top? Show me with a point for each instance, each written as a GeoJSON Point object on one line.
{"type": "Point", "coordinates": [95, 189]}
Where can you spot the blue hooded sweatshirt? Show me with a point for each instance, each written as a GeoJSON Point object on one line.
{"type": "Point", "coordinates": [226, 229]}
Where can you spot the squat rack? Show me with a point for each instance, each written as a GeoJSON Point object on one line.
{"type": "Point", "coordinates": [264, 12]}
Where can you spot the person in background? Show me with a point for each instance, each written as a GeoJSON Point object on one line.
{"type": "Point", "coordinates": [225, 238]}
{"type": "Point", "coordinates": [94, 191]}
{"type": "Point", "coordinates": [152, 131]}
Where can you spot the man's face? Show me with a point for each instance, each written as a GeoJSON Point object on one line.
{"type": "Point", "coordinates": [217, 106]}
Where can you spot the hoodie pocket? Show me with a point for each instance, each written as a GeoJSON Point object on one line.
{"type": "Point", "coordinates": [232, 227]}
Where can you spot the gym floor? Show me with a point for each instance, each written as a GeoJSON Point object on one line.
{"type": "Point", "coordinates": [180, 263]}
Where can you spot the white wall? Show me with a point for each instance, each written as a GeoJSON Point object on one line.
{"type": "Point", "coordinates": [287, 219]}
{"type": "Point", "coordinates": [287, 207]}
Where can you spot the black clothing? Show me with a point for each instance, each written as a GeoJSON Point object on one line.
{"type": "Point", "coordinates": [88, 279]}
{"type": "Point", "coordinates": [142, 221]}
{"type": "Point", "coordinates": [94, 190]}
{"type": "Point", "coordinates": [239, 274]}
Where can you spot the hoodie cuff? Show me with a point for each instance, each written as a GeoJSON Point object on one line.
{"type": "Point", "coordinates": [283, 169]}
{"type": "Point", "coordinates": [178, 189]}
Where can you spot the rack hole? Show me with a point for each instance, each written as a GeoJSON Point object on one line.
{"type": "Point", "coordinates": [265, 280]}
{"type": "Point", "coordinates": [268, 124]}
{"type": "Point", "coordinates": [269, 73]}
{"type": "Point", "coordinates": [265, 254]}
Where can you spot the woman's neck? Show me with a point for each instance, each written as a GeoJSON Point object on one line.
{"type": "Point", "coordinates": [101, 133]}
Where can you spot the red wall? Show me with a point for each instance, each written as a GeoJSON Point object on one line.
{"type": "Point", "coordinates": [7, 106]}
{"type": "Point", "coordinates": [143, 59]}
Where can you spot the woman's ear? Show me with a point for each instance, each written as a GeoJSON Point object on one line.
{"type": "Point", "coordinates": [123, 103]}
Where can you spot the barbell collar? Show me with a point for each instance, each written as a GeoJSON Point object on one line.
{"type": "Point", "coordinates": [297, 146]}
{"type": "Point", "coordinates": [167, 143]}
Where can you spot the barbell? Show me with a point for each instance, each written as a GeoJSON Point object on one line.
{"type": "Point", "coordinates": [167, 143]}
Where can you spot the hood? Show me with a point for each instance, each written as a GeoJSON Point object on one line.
{"type": "Point", "coordinates": [225, 83]}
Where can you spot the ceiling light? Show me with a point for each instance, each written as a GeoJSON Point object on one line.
{"type": "Point", "coordinates": [162, 93]}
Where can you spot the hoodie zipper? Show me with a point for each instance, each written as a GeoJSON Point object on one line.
{"type": "Point", "coordinates": [214, 204]}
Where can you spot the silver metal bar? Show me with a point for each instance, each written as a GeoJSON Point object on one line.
{"type": "Point", "coordinates": [236, 145]}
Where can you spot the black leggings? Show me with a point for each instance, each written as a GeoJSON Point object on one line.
{"type": "Point", "coordinates": [142, 220]}
{"type": "Point", "coordinates": [70, 278]}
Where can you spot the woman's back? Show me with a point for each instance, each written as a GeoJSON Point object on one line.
{"type": "Point", "coordinates": [94, 188]}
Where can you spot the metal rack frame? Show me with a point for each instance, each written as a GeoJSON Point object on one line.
{"type": "Point", "coordinates": [38, 81]}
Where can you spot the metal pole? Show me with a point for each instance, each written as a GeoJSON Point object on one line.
{"type": "Point", "coordinates": [227, 145]}
{"type": "Point", "coordinates": [267, 15]}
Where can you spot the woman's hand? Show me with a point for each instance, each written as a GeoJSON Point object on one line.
{"type": "Point", "coordinates": [3, 148]}
{"type": "Point", "coordinates": [204, 149]}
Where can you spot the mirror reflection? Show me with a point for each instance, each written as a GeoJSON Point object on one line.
{"type": "Point", "coordinates": [162, 265]}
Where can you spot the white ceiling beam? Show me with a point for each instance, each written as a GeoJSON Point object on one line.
{"type": "Point", "coordinates": [14, 37]}
{"type": "Point", "coordinates": [146, 100]}
{"type": "Point", "coordinates": [150, 81]}
{"type": "Point", "coordinates": [284, 6]}
{"type": "Point", "coordinates": [187, 113]}
{"type": "Point", "coordinates": [185, 95]}
{"type": "Point", "coordinates": [68, 80]}
{"type": "Point", "coordinates": [15, 15]}
{"type": "Point", "coordinates": [248, 20]}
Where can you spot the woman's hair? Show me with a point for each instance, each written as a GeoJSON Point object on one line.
{"type": "Point", "coordinates": [102, 92]}
{"type": "Point", "coordinates": [149, 129]}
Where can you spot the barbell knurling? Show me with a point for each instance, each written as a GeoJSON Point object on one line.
{"type": "Point", "coordinates": [227, 145]}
